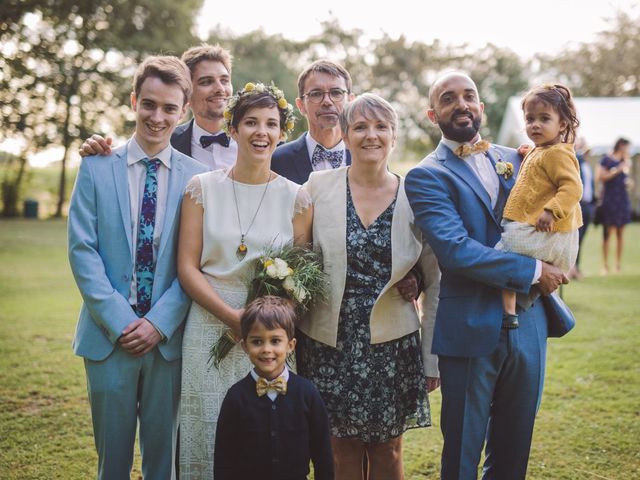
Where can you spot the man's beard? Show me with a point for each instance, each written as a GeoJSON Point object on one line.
{"type": "Point", "coordinates": [460, 134]}
{"type": "Point", "coordinates": [214, 114]}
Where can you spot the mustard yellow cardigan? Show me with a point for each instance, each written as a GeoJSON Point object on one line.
{"type": "Point", "coordinates": [549, 179]}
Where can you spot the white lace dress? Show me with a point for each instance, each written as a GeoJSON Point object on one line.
{"type": "Point", "coordinates": [203, 386]}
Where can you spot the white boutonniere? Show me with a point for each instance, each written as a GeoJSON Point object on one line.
{"type": "Point", "coordinates": [504, 168]}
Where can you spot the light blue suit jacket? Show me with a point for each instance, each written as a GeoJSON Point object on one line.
{"type": "Point", "coordinates": [102, 262]}
{"type": "Point", "coordinates": [454, 211]}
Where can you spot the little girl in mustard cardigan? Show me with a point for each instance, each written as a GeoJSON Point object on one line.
{"type": "Point", "coordinates": [542, 215]}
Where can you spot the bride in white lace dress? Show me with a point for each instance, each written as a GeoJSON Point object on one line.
{"type": "Point", "coordinates": [227, 219]}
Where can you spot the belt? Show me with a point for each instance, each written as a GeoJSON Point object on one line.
{"type": "Point", "coordinates": [510, 322]}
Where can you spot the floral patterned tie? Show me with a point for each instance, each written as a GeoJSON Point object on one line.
{"type": "Point", "coordinates": [145, 265]}
{"type": "Point", "coordinates": [321, 154]}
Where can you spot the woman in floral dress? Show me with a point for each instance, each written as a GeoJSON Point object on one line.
{"type": "Point", "coordinates": [366, 349]}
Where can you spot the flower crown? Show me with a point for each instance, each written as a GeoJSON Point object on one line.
{"type": "Point", "coordinates": [256, 88]}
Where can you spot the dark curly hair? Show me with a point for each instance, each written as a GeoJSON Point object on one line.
{"type": "Point", "coordinates": [558, 97]}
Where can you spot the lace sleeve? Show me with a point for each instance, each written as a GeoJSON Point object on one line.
{"type": "Point", "coordinates": [303, 202]}
{"type": "Point", "coordinates": [194, 189]}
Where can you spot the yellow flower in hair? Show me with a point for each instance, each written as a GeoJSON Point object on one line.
{"type": "Point", "coordinates": [249, 87]}
{"type": "Point", "coordinates": [289, 126]}
{"type": "Point", "coordinates": [227, 115]}
{"type": "Point", "coordinates": [282, 103]}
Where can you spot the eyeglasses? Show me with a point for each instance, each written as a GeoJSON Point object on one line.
{"type": "Point", "coordinates": [316, 96]}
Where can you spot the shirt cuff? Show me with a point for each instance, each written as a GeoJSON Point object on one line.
{"type": "Point", "coordinates": [537, 273]}
{"type": "Point", "coordinates": [163, 337]}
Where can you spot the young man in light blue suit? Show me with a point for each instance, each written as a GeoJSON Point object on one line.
{"type": "Point", "coordinates": [492, 370]}
{"type": "Point", "coordinates": [123, 229]}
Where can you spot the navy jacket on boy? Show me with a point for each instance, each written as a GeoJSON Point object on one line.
{"type": "Point", "coordinates": [260, 438]}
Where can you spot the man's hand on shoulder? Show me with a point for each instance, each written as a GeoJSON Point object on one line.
{"type": "Point", "coordinates": [96, 145]}
{"type": "Point", "coordinates": [551, 278]}
{"type": "Point", "coordinates": [139, 337]}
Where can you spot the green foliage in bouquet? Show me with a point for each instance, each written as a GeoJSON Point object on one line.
{"type": "Point", "coordinates": [289, 271]}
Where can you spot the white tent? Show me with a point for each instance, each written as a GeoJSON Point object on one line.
{"type": "Point", "coordinates": [602, 121]}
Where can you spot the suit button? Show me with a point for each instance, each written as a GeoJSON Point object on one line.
{"type": "Point", "coordinates": [273, 407]}
{"type": "Point", "coordinates": [273, 434]}
{"type": "Point", "coordinates": [125, 277]}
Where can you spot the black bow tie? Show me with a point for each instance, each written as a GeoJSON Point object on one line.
{"type": "Point", "coordinates": [221, 138]}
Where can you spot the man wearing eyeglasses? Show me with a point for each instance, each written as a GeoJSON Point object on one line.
{"type": "Point", "coordinates": [324, 87]}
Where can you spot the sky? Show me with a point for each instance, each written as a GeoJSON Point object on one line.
{"type": "Point", "coordinates": [534, 26]}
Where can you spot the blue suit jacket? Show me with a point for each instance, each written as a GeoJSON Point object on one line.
{"type": "Point", "coordinates": [102, 262]}
{"type": "Point", "coordinates": [453, 209]}
{"type": "Point", "coordinates": [292, 161]}
{"type": "Point", "coordinates": [181, 137]}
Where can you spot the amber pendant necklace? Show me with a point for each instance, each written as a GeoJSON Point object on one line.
{"type": "Point", "coordinates": [242, 249]}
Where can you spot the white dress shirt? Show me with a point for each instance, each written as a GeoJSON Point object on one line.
{"type": "Point", "coordinates": [137, 174]}
{"type": "Point", "coordinates": [215, 156]}
{"type": "Point", "coordinates": [325, 164]}
{"type": "Point", "coordinates": [271, 394]}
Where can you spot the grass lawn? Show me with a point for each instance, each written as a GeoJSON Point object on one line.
{"type": "Point", "coordinates": [588, 426]}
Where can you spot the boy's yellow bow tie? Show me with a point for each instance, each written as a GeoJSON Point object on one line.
{"type": "Point", "coordinates": [279, 385]}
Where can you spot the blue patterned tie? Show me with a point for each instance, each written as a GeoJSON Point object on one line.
{"type": "Point", "coordinates": [144, 246]}
{"type": "Point", "coordinates": [321, 154]}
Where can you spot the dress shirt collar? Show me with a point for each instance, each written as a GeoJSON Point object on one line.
{"type": "Point", "coordinates": [135, 154]}
{"type": "Point", "coordinates": [284, 374]}
{"type": "Point", "coordinates": [311, 145]}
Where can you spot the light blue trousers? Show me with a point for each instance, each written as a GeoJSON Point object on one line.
{"type": "Point", "coordinates": [124, 390]}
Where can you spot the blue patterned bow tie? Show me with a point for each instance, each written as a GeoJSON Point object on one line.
{"type": "Point", "coordinates": [221, 138]}
{"type": "Point", "coordinates": [320, 154]}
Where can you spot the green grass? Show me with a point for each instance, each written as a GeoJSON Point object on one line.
{"type": "Point", "coordinates": [588, 426]}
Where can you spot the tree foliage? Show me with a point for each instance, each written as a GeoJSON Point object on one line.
{"type": "Point", "coordinates": [66, 66]}
{"type": "Point", "coordinates": [607, 67]}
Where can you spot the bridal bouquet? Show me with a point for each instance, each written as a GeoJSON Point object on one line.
{"type": "Point", "coordinates": [288, 271]}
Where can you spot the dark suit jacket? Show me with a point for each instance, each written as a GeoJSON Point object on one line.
{"type": "Point", "coordinates": [258, 438]}
{"type": "Point", "coordinates": [181, 137]}
{"type": "Point", "coordinates": [292, 161]}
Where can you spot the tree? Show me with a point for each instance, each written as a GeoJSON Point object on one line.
{"type": "Point", "coordinates": [606, 67]}
{"type": "Point", "coordinates": [66, 66]}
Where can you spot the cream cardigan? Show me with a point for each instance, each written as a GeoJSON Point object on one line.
{"type": "Point", "coordinates": [392, 317]}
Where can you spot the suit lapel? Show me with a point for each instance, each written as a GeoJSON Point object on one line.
{"type": "Point", "coordinates": [176, 187]}
{"type": "Point", "coordinates": [121, 181]}
{"type": "Point", "coordinates": [466, 173]}
{"type": "Point", "coordinates": [302, 166]}
{"type": "Point", "coordinates": [181, 138]}
{"type": "Point", "coordinates": [494, 156]}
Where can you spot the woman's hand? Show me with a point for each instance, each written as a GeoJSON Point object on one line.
{"type": "Point", "coordinates": [545, 222]}
{"type": "Point", "coordinates": [408, 287]}
{"type": "Point", "coordinates": [233, 322]}
{"type": "Point", "coordinates": [433, 383]}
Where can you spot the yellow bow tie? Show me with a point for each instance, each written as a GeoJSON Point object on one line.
{"type": "Point", "coordinates": [466, 150]}
{"type": "Point", "coordinates": [279, 385]}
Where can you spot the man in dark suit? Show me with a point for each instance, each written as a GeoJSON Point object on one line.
{"type": "Point", "coordinates": [491, 371]}
{"type": "Point", "coordinates": [202, 137]}
{"type": "Point", "coordinates": [324, 87]}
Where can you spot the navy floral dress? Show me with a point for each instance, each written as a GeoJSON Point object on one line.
{"type": "Point", "coordinates": [372, 392]}
{"type": "Point", "coordinates": [616, 207]}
